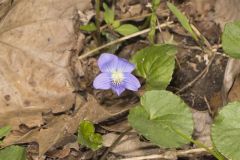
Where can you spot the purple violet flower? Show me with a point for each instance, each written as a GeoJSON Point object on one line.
{"type": "Point", "coordinates": [116, 74]}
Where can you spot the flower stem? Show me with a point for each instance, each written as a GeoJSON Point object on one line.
{"type": "Point", "coordinates": [199, 144]}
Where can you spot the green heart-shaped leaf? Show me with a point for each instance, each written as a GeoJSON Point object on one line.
{"type": "Point", "coordinates": [226, 131]}
{"type": "Point", "coordinates": [156, 64]}
{"type": "Point", "coordinates": [88, 137]}
{"type": "Point", "coordinates": [159, 116]}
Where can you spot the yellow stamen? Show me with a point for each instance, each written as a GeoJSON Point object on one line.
{"type": "Point", "coordinates": [117, 77]}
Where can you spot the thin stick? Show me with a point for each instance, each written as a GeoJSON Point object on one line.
{"type": "Point", "coordinates": [115, 143]}
{"type": "Point", "coordinates": [90, 53]}
{"type": "Point", "coordinates": [181, 153]}
{"type": "Point", "coordinates": [209, 107]}
{"type": "Point", "coordinates": [160, 31]}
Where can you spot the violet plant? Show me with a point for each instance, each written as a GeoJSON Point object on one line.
{"type": "Point", "coordinates": [162, 117]}
{"type": "Point", "coordinates": [116, 74]}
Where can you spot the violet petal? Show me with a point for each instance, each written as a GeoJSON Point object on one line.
{"type": "Point", "coordinates": [118, 89]}
{"type": "Point", "coordinates": [107, 62]}
{"type": "Point", "coordinates": [131, 82]}
{"type": "Point", "coordinates": [102, 81]}
{"type": "Point", "coordinates": [125, 66]}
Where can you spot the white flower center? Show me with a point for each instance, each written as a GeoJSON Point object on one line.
{"type": "Point", "coordinates": [117, 77]}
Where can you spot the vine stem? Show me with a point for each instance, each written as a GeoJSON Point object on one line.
{"type": "Point", "coordinates": [92, 52]}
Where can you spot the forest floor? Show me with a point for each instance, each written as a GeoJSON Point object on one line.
{"type": "Point", "coordinates": [50, 90]}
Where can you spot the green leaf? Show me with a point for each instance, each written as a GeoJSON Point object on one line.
{"type": "Point", "coordinates": [231, 39]}
{"type": "Point", "coordinates": [155, 4]}
{"type": "Point", "coordinates": [88, 137]}
{"type": "Point", "coordinates": [182, 19]}
{"type": "Point", "coordinates": [13, 153]}
{"type": "Point", "coordinates": [159, 116]}
{"type": "Point", "coordinates": [153, 25]}
{"type": "Point", "coordinates": [89, 27]}
{"type": "Point", "coordinates": [108, 14]}
{"type": "Point", "coordinates": [127, 29]}
{"type": "Point", "coordinates": [116, 24]}
{"type": "Point", "coordinates": [226, 131]}
{"type": "Point", "coordinates": [4, 131]}
{"type": "Point", "coordinates": [156, 64]}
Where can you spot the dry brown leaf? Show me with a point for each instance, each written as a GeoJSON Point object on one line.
{"type": "Point", "coordinates": [59, 131]}
{"type": "Point", "coordinates": [225, 10]}
{"type": "Point", "coordinates": [36, 38]}
{"type": "Point", "coordinates": [5, 6]}
{"type": "Point", "coordinates": [130, 145]}
{"type": "Point", "coordinates": [202, 126]}
{"type": "Point", "coordinates": [234, 93]}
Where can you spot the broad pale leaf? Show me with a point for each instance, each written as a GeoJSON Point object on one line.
{"type": "Point", "coordinates": [182, 19]}
{"type": "Point", "coordinates": [231, 39]}
{"type": "Point", "coordinates": [156, 64]}
{"type": "Point", "coordinates": [158, 117]}
{"type": "Point", "coordinates": [127, 29]}
{"type": "Point", "coordinates": [13, 153]}
{"type": "Point", "coordinates": [226, 131]}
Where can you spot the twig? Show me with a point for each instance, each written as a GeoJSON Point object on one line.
{"type": "Point", "coordinates": [181, 153]}
{"type": "Point", "coordinates": [90, 53]}
{"type": "Point", "coordinates": [115, 143]}
{"type": "Point", "coordinates": [205, 41]}
{"type": "Point", "coordinates": [209, 108]}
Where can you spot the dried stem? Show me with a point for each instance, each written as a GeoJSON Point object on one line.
{"type": "Point", "coordinates": [92, 52]}
{"type": "Point", "coordinates": [180, 153]}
